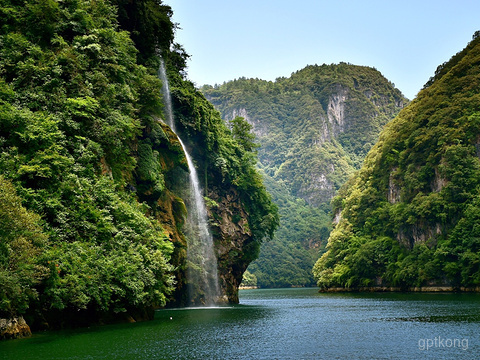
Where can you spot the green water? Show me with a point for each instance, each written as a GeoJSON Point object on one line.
{"type": "Point", "coordinates": [281, 324]}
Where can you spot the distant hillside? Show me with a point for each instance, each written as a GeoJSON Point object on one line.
{"type": "Point", "coordinates": [289, 258]}
{"type": "Point", "coordinates": [314, 130]}
{"type": "Point", "coordinates": [410, 216]}
{"type": "Point", "coordinates": [315, 127]}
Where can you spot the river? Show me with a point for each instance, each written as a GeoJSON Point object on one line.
{"type": "Point", "coordinates": [281, 324]}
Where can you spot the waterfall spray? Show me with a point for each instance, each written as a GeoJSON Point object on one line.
{"type": "Point", "coordinates": [202, 271]}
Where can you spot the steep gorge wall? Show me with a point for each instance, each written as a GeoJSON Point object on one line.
{"type": "Point", "coordinates": [232, 239]}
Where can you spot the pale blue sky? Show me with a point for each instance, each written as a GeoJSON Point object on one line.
{"type": "Point", "coordinates": [405, 40]}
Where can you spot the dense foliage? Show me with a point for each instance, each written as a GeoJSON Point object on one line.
{"type": "Point", "coordinates": [22, 241]}
{"type": "Point", "coordinates": [87, 218]}
{"type": "Point", "coordinates": [307, 151]}
{"type": "Point", "coordinates": [409, 217]}
{"type": "Point", "coordinates": [73, 101]}
{"type": "Point", "coordinates": [288, 259]}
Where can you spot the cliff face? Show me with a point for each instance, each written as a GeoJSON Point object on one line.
{"type": "Point", "coordinates": [233, 239]}
{"type": "Point", "coordinates": [336, 113]}
{"type": "Point", "coordinates": [407, 217]}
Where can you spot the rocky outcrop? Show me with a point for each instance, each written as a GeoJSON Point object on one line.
{"type": "Point", "coordinates": [420, 232]}
{"type": "Point", "coordinates": [409, 235]}
{"type": "Point", "coordinates": [393, 194]}
{"type": "Point", "coordinates": [234, 245]}
{"type": "Point", "coordinates": [337, 217]}
{"type": "Point", "coordinates": [14, 328]}
{"type": "Point", "coordinates": [258, 128]}
{"type": "Point", "coordinates": [319, 186]}
{"type": "Point", "coordinates": [336, 110]}
{"type": "Point", "coordinates": [438, 182]}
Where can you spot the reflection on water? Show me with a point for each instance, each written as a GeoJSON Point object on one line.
{"type": "Point", "coordinates": [281, 324]}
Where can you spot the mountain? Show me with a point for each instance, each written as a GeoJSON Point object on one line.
{"type": "Point", "coordinates": [314, 129]}
{"type": "Point", "coordinates": [92, 180]}
{"type": "Point", "coordinates": [409, 217]}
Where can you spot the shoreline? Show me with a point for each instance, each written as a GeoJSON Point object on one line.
{"type": "Point", "coordinates": [435, 289]}
{"type": "Point", "coordinates": [415, 289]}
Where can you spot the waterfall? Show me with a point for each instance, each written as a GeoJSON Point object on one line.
{"type": "Point", "coordinates": [202, 271]}
{"type": "Point", "coordinates": [167, 98]}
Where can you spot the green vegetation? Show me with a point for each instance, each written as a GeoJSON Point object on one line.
{"type": "Point", "coordinates": [22, 242]}
{"type": "Point", "coordinates": [249, 279]}
{"type": "Point", "coordinates": [73, 102]}
{"type": "Point", "coordinates": [89, 223]}
{"type": "Point", "coordinates": [288, 259]}
{"type": "Point", "coordinates": [409, 217]}
{"type": "Point", "coordinates": [314, 129]}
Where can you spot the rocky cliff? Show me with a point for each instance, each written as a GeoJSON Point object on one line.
{"type": "Point", "coordinates": [234, 243]}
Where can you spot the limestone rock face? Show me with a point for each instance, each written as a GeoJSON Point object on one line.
{"type": "Point", "coordinates": [234, 244]}
{"type": "Point", "coordinates": [336, 110]}
{"type": "Point", "coordinates": [14, 328]}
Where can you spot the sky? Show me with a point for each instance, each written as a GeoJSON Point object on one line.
{"type": "Point", "coordinates": [405, 40]}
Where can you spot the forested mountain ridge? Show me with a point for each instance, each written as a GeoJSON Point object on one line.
{"type": "Point", "coordinates": [314, 129]}
{"type": "Point", "coordinates": [91, 207]}
{"type": "Point", "coordinates": [409, 217]}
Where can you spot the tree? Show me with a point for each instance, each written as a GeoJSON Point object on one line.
{"type": "Point", "coordinates": [241, 131]}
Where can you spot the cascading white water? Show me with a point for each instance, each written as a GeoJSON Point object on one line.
{"type": "Point", "coordinates": [202, 271]}
{"type": "Point", "coordinates": [167, 98]}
